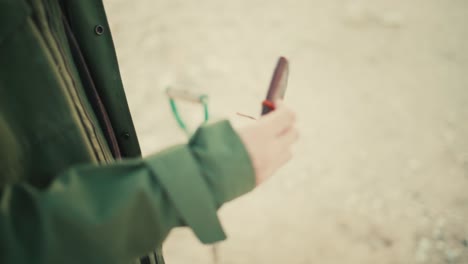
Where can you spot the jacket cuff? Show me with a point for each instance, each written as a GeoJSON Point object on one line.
{"type": "Point", "coordinates": [180, 175]}
{"type": "Point", "coordinates": [199, 177]}
{"type": "Point", "coordinates": [227, 166]}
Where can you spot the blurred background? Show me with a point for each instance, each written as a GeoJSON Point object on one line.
{"type": "Point", "coordinates": [380, 173]}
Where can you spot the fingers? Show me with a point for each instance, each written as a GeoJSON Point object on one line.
{"type": "Point", "coordinates": [280, 120]}
{"type": "Point", "coordinates": [284, 143]}
{"type": "Point", "coordinates": [269, 141]}
{"type": "Point", "coordinates": [289, 137]}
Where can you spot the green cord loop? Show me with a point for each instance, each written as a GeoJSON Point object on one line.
{"type": "Point", "coordinates": [203, 99]}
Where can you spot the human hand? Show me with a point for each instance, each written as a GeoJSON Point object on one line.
{"type": "Point", "coordinates": [269, 141]}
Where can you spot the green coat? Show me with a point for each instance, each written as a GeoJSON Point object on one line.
{"type": "Point", "coordinates": [64, 197]}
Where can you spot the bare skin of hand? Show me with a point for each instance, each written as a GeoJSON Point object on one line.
{"type": "Point", "coordinates": [269, 141]}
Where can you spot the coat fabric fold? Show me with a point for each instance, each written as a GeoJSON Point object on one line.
{"type": "Point", "coordinates": [64, 197]}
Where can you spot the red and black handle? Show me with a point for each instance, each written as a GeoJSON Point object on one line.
{"type": "Point", "coordinates": [278, 85]}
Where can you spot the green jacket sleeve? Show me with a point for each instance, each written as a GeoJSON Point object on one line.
{"type": "Point", "coordinates": [117, 212]}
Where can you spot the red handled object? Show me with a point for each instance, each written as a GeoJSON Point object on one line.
{"type": "Point", "coordinates": [268, 104]}
{"type": "Point", "coordinates": [278, 85]}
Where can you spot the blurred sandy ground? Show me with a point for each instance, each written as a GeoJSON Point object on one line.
{"type": "Point", "coordinates": [381, 87]}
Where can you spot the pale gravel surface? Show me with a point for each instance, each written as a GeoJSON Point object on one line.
{"type": "Point", "coordinates": [381, 171]}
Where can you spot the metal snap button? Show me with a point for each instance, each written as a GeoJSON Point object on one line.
{"type": "Point", "coordinates": [126, 135]}
{"type": "Point", "coordinates": [99, 30]}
